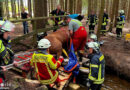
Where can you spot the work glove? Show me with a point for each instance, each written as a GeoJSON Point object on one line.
{"type": "Point", "coordinates": [89, 83]}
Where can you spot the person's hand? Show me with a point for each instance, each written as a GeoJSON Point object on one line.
{"type": "Point", "coordinates": [4, 68]}
{"type": "Point", "coordinates": [15, 63]}
{"type": "Point", "coordinates": [61, 57]}
{"type": "Point", "coordinates": [88, 84]}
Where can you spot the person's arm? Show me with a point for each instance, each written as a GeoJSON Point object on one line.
{"type": "Point", "coordinates": [55, 64]}
{"type": "Point", "coordinates": [71, 28]}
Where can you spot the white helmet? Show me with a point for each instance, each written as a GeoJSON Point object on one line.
{"type": "Point", "coordinates": [6, 26]}
{"type": "Point", "coordinates": [121, 11]}
{"type": "Point", "coordinates": [94, 37]}
{"type": "Point", "coordinates": [44, 44]}
{"type": "Point", "coordinates": [94, 45]}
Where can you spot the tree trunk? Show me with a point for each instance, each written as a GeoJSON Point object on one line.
{"type": "Point", "coordinates": [107, 6]}
{"type": "Point", "coordinates": [52, 5]}
{"type": "Point", "coordinates": [100, 18]}
{"type": "Point", "coordinates": [66, 5]}
{"type": "Point", "coordinates": [79, 4]}
{"type": "Point", "coordinates": [116, 11]}
{"type": "Point", "coordinates": [112, 15]}
{"type": "Point", "coordinates": [13, 8]}
{"type": "Point", "coordinates": [30, 8]}
{"type": "Point", "coordinates": [95, 6]}
{"type": "Point", "coordinates": [40, 13]}
{"type": "Point", "coordinates": [62, 4]}
{"type": "Point", "coordinates": [1, 9]}
{"type": "Point", "coordinates": [71, 6]}
{"type": "Point", "coordinates": [129, 12]}
{"type": "Point", "coordinates": [89, 7]}
{"type": "Point", "coordinates": [21, 4]}
{"type": "Point", "coordinates": [7, 9]}
{"type": "Point", "coordinates": [18, 2]}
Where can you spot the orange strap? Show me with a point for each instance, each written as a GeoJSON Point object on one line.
{"type": "Point", "coordinates": [66, 78]}
{"type": "Point", "coordinates": [71, 69]}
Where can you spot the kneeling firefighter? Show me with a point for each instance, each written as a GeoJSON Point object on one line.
{"type": "Point", "coordinates": [97, 67]}
{"type": "Point", "coordinates": [45, 64]}
{"type": "Point", "coordinates": [6, 54]}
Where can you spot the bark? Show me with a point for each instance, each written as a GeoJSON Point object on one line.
{"type": "Point", "coordinates": [30, 8]}
{"type": "Point", "coordinates": [116, 11]}
{"type": "Point", "coordinates": [66, 5]}
{"type": "Point", "coordinates": [112, 15]}
{"type": "Point", "coordinates": [7, 9]}
{"type": "Point", "coordinates": [129, 12]}
{"type": "Point", "coordinates": [70, 6]}
{"type": "Point", "coordinates": [100, 17]}
{"type": "Point", "coordinates": [21, 4]}
{"type": "Point", "coordinates": [1, 9]}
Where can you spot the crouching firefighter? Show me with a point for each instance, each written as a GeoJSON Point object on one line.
{"type": "Point", "coordinates": [6, 54]}
{"type": "Point", "coordinates": [97, 67]}
{"type": "Point", "coordinates": [45, 64]}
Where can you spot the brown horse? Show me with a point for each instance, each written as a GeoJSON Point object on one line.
{"type": "Point", "coordinates": [57, 40]}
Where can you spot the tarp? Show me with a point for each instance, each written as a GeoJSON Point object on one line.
{"type": "Point", "coordinates": [72, 65]}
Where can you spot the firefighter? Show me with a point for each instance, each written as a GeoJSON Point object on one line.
{"type": "Point", "coordinates": [104, 22]}
{"type": "Point", "coordinates": [92, 21]}
{"type": "Point", "coordinates": [57, 12]}
{"type": "Point", "coordinates": [6, 54]}
{"type": "Point", "coordinates": [97, 67]}
{"type": "Point", "coordinates": [120, 24]}
{"type": "Point", "coordinates": [78, 34]}
{"type": "Point", "coordinates": [45, 64]}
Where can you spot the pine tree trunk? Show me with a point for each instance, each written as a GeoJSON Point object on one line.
{"type": "Point", "coordinates": [40, 13]}
{"type": "Point", "coordinates": [112, 15]}
{"type": "Point", "coordinates": [18, 2]}
{"type": "Point", "coordinates": [52, 5]}
{"type": "Point", "coordinates": [21, 5]}
{"type": "Point", "coordinates": [107, 6]}
{"type": "Point", "coordinates": [1, 9]}
{"type": "Point", "coordinates": [89, 7]}
{"type": "Point", "coordinates": [66, 5]}
{"type": "Point", "coordinates": [71, 6]}
{"type": "Point", "coordinates": [129, 12]}
{"type": "Point", "coordinates": [116, 11]}
{"type": "Point", "coordinates": [30, 8]}
{"type": "Point", "coordinates": [100, 17]}
{"type": "Point", "coordinates": [79, 6]}
{"type": "Point", "coordinates": [95, 5]}
{"type": "Point", "coordinates": [7, 9]}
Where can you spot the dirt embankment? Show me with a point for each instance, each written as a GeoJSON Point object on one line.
{"type": "Point", "coordinates": [117, 55]}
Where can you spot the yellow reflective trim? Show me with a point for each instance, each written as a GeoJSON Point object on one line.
{"type": "Point", "coordinates": [9, 41]}
{"type": "Point", "coordinates": [79, 23]}
{"type": "Point", "coordinates": [59, 62]}
{"type": "Point", "coordinates": [50, 81]}
{"type": "Point", "coordinates": [92, 78]}
{"type": "Point", "coordinates": [2, 47]}
{"type": "Point", "coordinates": [101, 58]}
{"type": "Point", "coordinates": [92, 65]}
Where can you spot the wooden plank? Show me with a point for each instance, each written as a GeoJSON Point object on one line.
{"type": "Point", "coordinates": [29, 34]}
{"type": "Point", "coordinates": [74, 86]}
{"type": "Point", "coordinates": [36, 18]}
